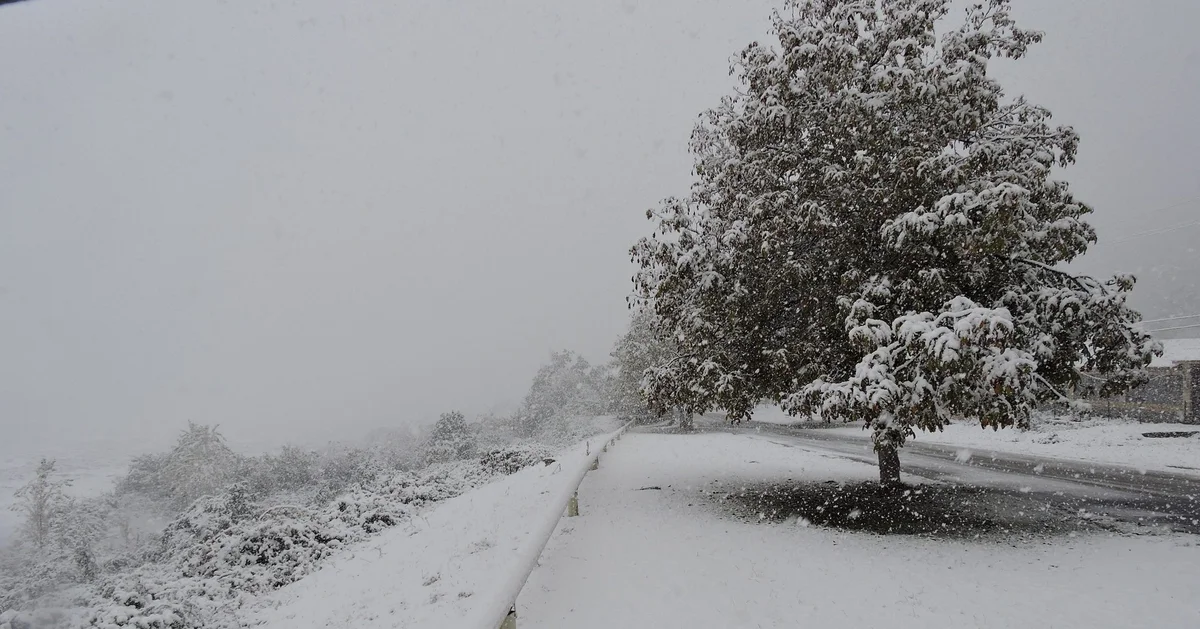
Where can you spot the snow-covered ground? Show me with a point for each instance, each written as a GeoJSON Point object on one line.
{"type": "Point", "coordinates": [434, 570]}
{"type": "Point", "coordinates": [1110, 441]}
{"type": "Point", "coordinates": [656, 546]}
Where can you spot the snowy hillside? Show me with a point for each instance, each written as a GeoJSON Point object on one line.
{"type": "Point", "coordinates": [436, 569]}
{"type": "Point", "coordinates": [196, 536]}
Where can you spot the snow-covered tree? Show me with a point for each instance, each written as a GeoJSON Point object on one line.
{"type": "Point", "coordinates": [200, 464]}
{"type": "Point", "coordinates": [567, 386]}
{"type": "Point", "coordinates": [42, 502]}
{"type": "Point", "coordinates": [292, 469]}
{"type": "Point", "coordinates": [638, 356]}
{"type": "Point", "coordinates": [78, 530]}
{"type": "Point", "coordinates": [635, 352]}
{"type": "Point", "coordinates": [450, 440]}
{"type": "Point", "coordinates": [875, 234]}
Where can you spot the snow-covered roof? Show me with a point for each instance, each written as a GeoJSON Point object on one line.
{"type": "Point", "coordinates": [1176, 351]}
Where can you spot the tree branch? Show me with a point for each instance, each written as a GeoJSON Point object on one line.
{"type": "Point", "coordinates": [1061, 397]}
{"type": "Point", "coordinates": [1078, 280]}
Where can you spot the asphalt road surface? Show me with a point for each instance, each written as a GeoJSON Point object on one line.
{"type": "Point", "coordinates": [1120, 497]}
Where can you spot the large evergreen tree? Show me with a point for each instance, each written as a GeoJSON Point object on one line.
{"type": "Point", "coordinates": [875, 234]}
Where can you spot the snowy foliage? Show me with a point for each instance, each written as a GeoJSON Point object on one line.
{"type": "Point", "coordinates": [292, 469]}
{"type": "Point", "coordinates": [450, 440]}
{"type": "Point", "coordinates": [200, 464]}
{"type": "Point", "coordinates": [282, 517]}
{"type": "Point", "coordinates": [42, 502]}
{"type": "Point", "coordinates": [635, 355]}
{"type": "Point", "coordinates": [566, 388]}
{"type": "Point", "coordinates": [874, 234]}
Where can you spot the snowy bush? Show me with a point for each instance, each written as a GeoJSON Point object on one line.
{"type": "Point", "coordinates": [149, 598]}
{"type": "Point", "coordinates": [136, 558]}
{"type": "Point", "coordinates": [346, 467]}
{"type": "Point", "coordinates": [292, 469]}
{"type": "Point", "coordinates": [144, 477]}
{"type": "Point", "coordinates": [227, 546]}
{"type": "Point", "coordinates": [511, 459]}
{"type": "Point", "coordinates": [259, 556]}
{"type": "Point", "coordinates": [25, 577]}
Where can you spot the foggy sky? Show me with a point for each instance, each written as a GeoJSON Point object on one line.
{"type": "Point", "coordinates": [311, 217]}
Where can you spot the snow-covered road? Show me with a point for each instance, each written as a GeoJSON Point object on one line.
{"type": "Point", "coordinates": [1102, 441]}
{"type": "Point", "coordinates": [1138, 497]}
{"type": "Point", "coordinates": [664, 541]}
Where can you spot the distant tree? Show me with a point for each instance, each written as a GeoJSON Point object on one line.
{"type": "Point", "coordinates": [79, 528]}
{"type": "Point", "coordinates": [343, 467]}
{"type": "Point", "coordinates": [874, 235]}
{"type": "Point", "coordinates": [145, 476]}
{"type": "Point", "coordinates": [42, 501]}
{"type": "Point", "coordinates": [450, 440]}
{"type": "Point", "coordinates": [637, 358]}
{"type": "Point", "coordinates": [632, 355]}
{"type": "Point", "coordinates": [399, 446]}
{"type": "Point", "coordinates": [200, 464]}
{"type": "Point", "coordinates": [291, 469]}
{"type": "Point", "coordinates": [566, 386]}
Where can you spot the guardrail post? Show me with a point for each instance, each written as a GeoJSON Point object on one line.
{"type": "Point", "coordinates": [510, 621]}
{"type": "Point", "coordinates": [573, 505]}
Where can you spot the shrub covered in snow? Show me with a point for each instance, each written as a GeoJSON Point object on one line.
{"type": "Point", "coordinates": [511, 459]}
{"type": "Point", "coordinates": [186, 537]}
{"type": "Point", "coordinates": [237, 543]}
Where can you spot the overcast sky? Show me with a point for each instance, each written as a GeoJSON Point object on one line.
{"type": "Point", "coordinates": [312, 217]}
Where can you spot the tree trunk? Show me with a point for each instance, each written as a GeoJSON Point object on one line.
{"type": "Point", "coordinates": [685, 420]}
{"type": "Point", "coordinates": [889, 465]}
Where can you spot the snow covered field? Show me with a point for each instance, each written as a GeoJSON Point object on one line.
{"type": "Point", "coordinates": [1109, 441]}
{"type": "Point", "coordinates": [657, 545]}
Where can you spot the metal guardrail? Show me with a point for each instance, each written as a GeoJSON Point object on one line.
{"type": "Point", "coordinates": [500, 611]}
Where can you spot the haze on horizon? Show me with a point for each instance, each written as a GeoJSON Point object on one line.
{"type": "Point", "coordinates": [301, 220]}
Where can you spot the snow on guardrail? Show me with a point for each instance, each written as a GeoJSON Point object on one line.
{"type": "Point", "coordinates": [500, 604]}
